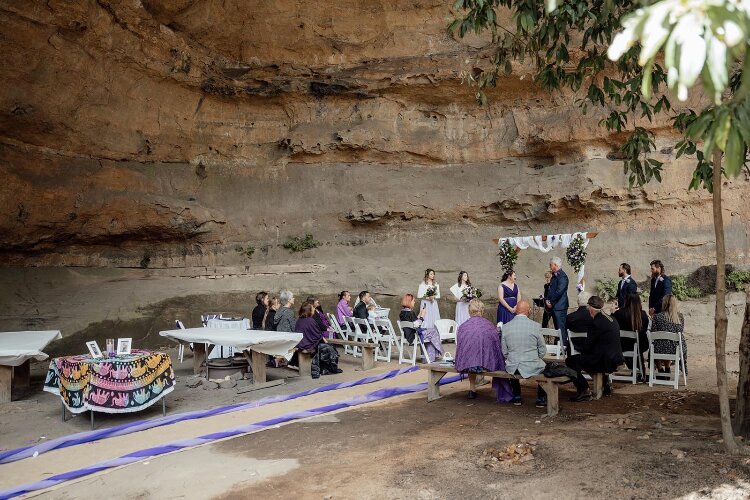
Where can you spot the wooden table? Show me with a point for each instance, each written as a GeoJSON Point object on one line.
{"type": "Point", "coordinates": [17, 349]}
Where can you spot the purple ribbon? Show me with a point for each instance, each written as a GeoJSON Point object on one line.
{"type": "Point", "coordinates": [140, 425]}
{"type": "Point", "coordinates": [244, 429]}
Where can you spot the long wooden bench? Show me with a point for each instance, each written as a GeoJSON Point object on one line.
{"type": "Point", "coordinates": [436, 371]}
{"type": "Point", "coordinates": [368, 350]}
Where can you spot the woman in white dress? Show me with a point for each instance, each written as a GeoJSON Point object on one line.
{"type": "Point", "coordinates": [462, 306]}
{"type": "Point", "coordinates": [429, 292]}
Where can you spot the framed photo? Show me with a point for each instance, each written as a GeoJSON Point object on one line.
{"type": "Point", "coordinates": [94, 349]}
{"type": "Point", "coordinates": [123, 346]}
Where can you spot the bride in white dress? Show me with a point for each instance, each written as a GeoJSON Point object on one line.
{"type": "Point", "coordinates": [429, 302]}
{"type": "Point", "coordinates": [462, 307]}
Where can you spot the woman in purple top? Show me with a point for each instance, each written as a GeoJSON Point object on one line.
{"type": "Point", "coordinates": [325, 361]}
{"type": "Point", "coordinates": [478, 350]}
{"type": "Point", "coordinates": [342, 309]}
{"type": "Point", "coordinates": [319, 315]}
{"type": "Point", "coordinates": [508, 296]}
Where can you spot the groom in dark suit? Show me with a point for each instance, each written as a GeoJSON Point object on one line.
{"type": "Point", "coordinates": [661, 285]}
{"type": "Point", "coordinates": [556, 300]}
{"type": "Point", "coordinates": [626, 286]}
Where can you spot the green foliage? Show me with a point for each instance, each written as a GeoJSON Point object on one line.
{"type": "Point", "coordinates": [606, 288]}
{"type": "Point", "coordinates": [296, 244]}
{"type": "Point", "coordinates": [736, 280]}
{"type": "Point", "coordinates": [247, 251]}
{"type": "Point", "coordinates": [681, 290]}
{"type": "Point", "coordinates": [508, 255]}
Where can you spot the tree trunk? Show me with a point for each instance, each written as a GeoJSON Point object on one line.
{"type": "Point", "coordinates": [720, 319]}
{"type": "Point", "coordinates": [742, 408]}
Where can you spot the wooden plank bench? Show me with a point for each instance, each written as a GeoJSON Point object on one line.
{"type": "Point", "coordinates": [368, 351]}
{"type": "Point", "coordinates": [435, 372]}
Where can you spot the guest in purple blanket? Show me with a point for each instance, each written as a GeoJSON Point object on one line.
{"type": "Point", "coordinates": [478, 350]}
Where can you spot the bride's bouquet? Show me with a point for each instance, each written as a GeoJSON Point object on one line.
{"type": "Point", "coordinates": [431, 291]}
{"type": "Point", "coordinates": [470, 293]}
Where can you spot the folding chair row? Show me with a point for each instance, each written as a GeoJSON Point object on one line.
{"type": "Point", "coordinates": [417, 343]}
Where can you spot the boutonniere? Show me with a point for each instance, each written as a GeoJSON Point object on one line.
{"type": "Point", "coordinates": [660, 278]}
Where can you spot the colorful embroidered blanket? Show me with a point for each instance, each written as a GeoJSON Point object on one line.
{"type": "Point", "coordinates": [118, 384]}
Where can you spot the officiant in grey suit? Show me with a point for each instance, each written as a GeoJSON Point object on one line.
{"type": "Point", "coordinates": [556, 300]}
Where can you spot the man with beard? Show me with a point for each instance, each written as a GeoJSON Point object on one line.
{"type": "Point", "coordinates": [661, 285]}
{"type": "Point", "coordinates": [626, 286]}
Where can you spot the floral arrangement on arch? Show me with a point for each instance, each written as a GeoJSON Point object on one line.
{"type": "Point", "coordinates": [508, 255]}
{"type": "Point", "coordinates": [576, 253]}
{"type": "Point", "coordinates": [469, 293]}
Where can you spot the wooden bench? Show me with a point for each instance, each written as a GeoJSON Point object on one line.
{"type": "Point", "coordinates": [368, 351]}
{"type": "Point", "coordinates": [435, 372]}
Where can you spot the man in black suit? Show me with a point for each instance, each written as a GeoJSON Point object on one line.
{"type": "Point", "coordinates": [626, 286]}
{"type": "Point", "coordinates": [360, 310]}
{"type": "Point", "coordinates": [556, 300]}
{"type": "Point", "coordinates": [580, 320]}
{"type": "Point", "coordinates": [601, 353]}
{"type": "Point", "coordinates": [661, 285]}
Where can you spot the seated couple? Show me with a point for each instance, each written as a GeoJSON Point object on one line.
{"type": "Point", "coordinates": [520, 350]}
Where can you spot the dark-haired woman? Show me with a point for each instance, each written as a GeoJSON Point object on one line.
{"type": "Point", "coordinates": [462, 305]}
{"type": "Point", "coordinates": [326, 358]}
{"type": "Point", "coordinates": [259, 313]}
{"type": "Point", "coordinates": [429, 292]}
{"type": "Point", "coordinates": [342, 308]}
{"type": "Point", "coordinates": [508, 296]}
{"type": "Point", "coordinates": [319, 315]}
{"type": "Point", "coordinates": [633, 318]}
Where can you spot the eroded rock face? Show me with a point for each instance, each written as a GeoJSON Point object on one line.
{"type": "Point", "coordinates": [166, 133]}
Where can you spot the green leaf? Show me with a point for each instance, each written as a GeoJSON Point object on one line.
{"type": "Point", "coordinates": [734, 154]}
{"type": "Point", "coordinates": [646, 81]}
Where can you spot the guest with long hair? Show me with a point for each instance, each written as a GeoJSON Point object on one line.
{"type": "Point", "coordinates": [508, 296]}
{"type": "Point", "coordinates": [670, 319]}
{"type": "Point", "coordinates": [429, 292]}
{"type": "Point", "coordinates": [260, 310]}
{"type": "Point", "coordinates": [462, 306]}
{"type": "Point", "coordinates": [632, 318]}
{"type": "Point", "coordinates": [325, 358]}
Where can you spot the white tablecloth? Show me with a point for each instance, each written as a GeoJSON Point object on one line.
{"type": "Point", "coordinates": [223, 351]}
{"type": "Point", "coordinates": [273, 343]}
{"type": "Point", "coordinates": [17, 347]}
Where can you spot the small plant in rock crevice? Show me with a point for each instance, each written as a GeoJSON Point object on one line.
{"type": "Point", "coordinates": [299, 244]}
{"type": "Point", "coordinates": [247, 251]}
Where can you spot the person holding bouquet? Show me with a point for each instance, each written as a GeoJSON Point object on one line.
{"type": "Point", "coordinates": [508, 296]}
{"type": "Point", "coordinates": [429, 292]}
{"type": "Point", "coordinates": [462, 304]}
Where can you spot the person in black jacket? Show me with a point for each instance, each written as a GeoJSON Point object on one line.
{"type": "Point", "coordinates": [580, 320]}
{"type": "Point", "coordinates": [259, 313]}
{"type": "Point", "coordinates": [661, 285]}
{"type": "Point", "coordinates": [556, 300]}
{"type": "Point", "coordinates": [360, 310]}
{"type": "Point", "coordinates": [626, 286]}
{"type": "Point", "coordinates": [633, 318]}
{"type": "Point", "coordinates": [273, 305]}
{"type": "Point", "coordinates": [407, 314]}
{"type": "Point", "coordinates": [546, 316]}
{"type": "Point", "coordinates": [601, 353]}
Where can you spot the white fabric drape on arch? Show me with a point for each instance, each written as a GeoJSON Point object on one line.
{"type": "Point", "coordinates": [545, 246]}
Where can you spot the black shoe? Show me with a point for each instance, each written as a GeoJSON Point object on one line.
{"type": "Point", "coordinates": [516, 400]}
{"type": "Point", "coordinates": [541, 403]}
{"type": "Point", "coordinates": [608, 389]}
{"type": "Point", "coordinates": [581, 396]}
{"type": "Point", "coordinates": [338, 370]}
{"type": "Point", "coordinates": [472, 395]}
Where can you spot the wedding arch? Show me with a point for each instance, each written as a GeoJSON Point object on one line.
{"type": "Point", "coordinates": [574, 243]}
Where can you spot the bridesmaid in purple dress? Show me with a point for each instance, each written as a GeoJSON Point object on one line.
{"type": "Point", "coordinates": [508, 296]}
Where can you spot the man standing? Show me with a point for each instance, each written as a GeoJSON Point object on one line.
{"type": "Point", "coordinates": [627, 285]}
{"type": "Point", "coordinates": [661, 285]}
{"type": "Point", "coordinates": [601, 353]}
{"type": "Point", "coordinates": [556, 300]}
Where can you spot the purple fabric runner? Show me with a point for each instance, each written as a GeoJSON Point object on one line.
{"type": "Point", "coordinates": [140, 425]}
{"type": "Point", "coordinates": [244, 429]}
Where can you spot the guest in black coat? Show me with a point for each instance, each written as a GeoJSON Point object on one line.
{"type": "Point", "coordinates": [259, 312]}
{"type": "Point", "coordinates": [273, 305]}
{"type": "Point", "coordinates": [601, 353]}
{"type": "Point", "coordinates": [360, 310]}
{"type": "Point", "coordinates": [556, 300]}
{"type": "Point", "coordinates": [626, 286]}
{"type": "Point", "coordinates": [580, 320]}
{"type": "Point", "coordinates": [661, 285]}
{"type": "Point", "coordinates": [546, 316]}
{"type": "Point", "coordinates": [633, 318]}
{"type": "Point", "coordinates": [407, 314]}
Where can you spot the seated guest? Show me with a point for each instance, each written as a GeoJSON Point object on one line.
{"type": "Point", "coordinates": [601, 353]}
{"type": "Point", "coordinates": [430, 336]}
{"type": "Point", "coordinates": [669, 320]}
{"type": "Point", "coordinates": [273, 305]}
{"type": "Point", "coordinates": [524, 350]}
{"type": "Point", "coordinates": [284, 319]}
{"type": "Point", "coordinates": [326, 358]}
{"type": "Point", "coordinates": [580, 320]}
{"type": "Point", "coordinates": [319, 315]}
{"type": "Point", "coordinates": [360, 310]}
{"type": "Point", "coordinates": [478, 351]}
{"type": "Point", "coordinates": [632, 318]}
{"type": "Point", "coordinates": [259, 313]}
{"type": "Point", "coordinates": [342, 308]}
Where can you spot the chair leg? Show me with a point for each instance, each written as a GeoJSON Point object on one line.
{"type": "Point", "coordinates": [651, 367]}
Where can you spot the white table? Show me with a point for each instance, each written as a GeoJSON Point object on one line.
{"type": "Point", "coordinates": [17, 349]}
{"type": "Point", "coordinates": [222, 351]}
{"type": "Point", "coordinates": [255, 344]}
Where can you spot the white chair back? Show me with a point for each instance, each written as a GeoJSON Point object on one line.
{"type": "Point", "coordinates": [634, 355]}
{"type": "Point", "coordinates": [446, 329]}
{"type": "Point", "coordinates": [385, 336]}
{"type": "Point", "coordinates": [414, 346]}
{"type": "Point", "coordinates": [556, 348]}
{"type": "Point", "coordinates": [676, 357]}
{"type": "Point", "coordinates": [575, 335]}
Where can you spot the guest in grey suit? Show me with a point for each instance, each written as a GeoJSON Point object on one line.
{"type": "Point", "coordinates": [524, 350]}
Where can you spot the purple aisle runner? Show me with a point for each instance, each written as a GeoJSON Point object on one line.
{"type": "Point", "coordinates": [140, 425]}
{"type": "Point", "coordinates": [244, 429]}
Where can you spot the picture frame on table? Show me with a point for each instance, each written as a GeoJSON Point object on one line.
{"type": "Point", "coordinates": [124, 345]}
{"type": "Point", "coordinates": [94, 349]}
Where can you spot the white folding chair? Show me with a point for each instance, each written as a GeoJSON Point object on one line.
{"type": "Point", "coordinates": [353, 333]}
{"type": "Point", "coordinates": [417, 343]}
{"type": "Point", "coordinates": [679, 361]}
{"type": "Point", "coordinates": [556, 348]}
{"type": "Point", "coordinates": [181, 349]}
{"type": "Point", "coordinates": [383, 333]}
{"type": "Point", "coordinates": [335, 326]}
{"type": "Point", "coordinates": [634, 355]}
{"type": "Point", "coordinates": [575, 335]}
{"type": "Point", "coordinates": [371, 334]}
{"type": "Point", "coordinates": [446, 329]}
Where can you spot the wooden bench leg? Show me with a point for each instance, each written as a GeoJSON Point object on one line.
{"type": "Point", "coordinates": [257, 362]}
{"type": "Point", "coordinates": [6, 382]}
{"type": "Point", "coordinates": [553, 398]}
{"type": "Point", "coordinates": [199, 357]}
{"type": "Point", "coordinates": [22, 375]}
{"type": "Point", "coordinates": [304, 361]}
{"type": "Point", "coordinates": [368, 358]}
{"type": "Point", "coordinates": [433, 384]}
{"type": "Point", "coordinates": [598, 379]}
